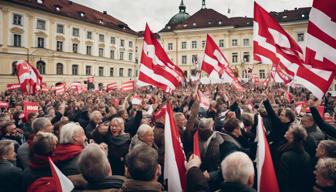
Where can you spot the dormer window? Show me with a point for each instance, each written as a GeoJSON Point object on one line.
{"type": "Point", "coordinates": [168, 27]}
{"type": "Point", "coordinates": [82, 14]}
{"type": "Point", "coordinates": [303, 15]}
{"type": "Point", "coordinates": [101, 22]}
{"type": "Point", "coordinates": [209, 22]}
{"type": "Point", "coordinates": [58, 8]}
{"type": "Point", "coordinates": [284, 16]}
{"type": "Point", "coordinates": [219, 22]}
{"type": "Point", "coordinates": [194, 24]}
{"type": "Point", "coordinates": [185, 25]}
{"type": "Point", "coordinates": [40, 1]}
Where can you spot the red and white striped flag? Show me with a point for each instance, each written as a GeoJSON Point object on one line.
{"type": "Point", "coordinates": [28, 75]}
{"type": "Point", "coordinates": [273, 45]}
{"type": "Point", "coordinates": [62, 183]}
{"type": "Point", "coordinates": [76, 86]}
{"type": "Point", "coordinates": [255, 79]}
{"type": "Point", "coordinates": [174, 169]}
{"type": "Point", "coordinates": [127, 86]}
{"type": "Point", "coordinates": [267, 180]}
{"type": "Point", "coordinates": [216, 65]}
{"type": "Point", "coordinates": [112, 86]}
{"type": "Point", "coordinates": [156, 68]}
{"type": "Point", "coordinates": [60, 89]}
{"type": "Point", "coordinates": [14, 86]}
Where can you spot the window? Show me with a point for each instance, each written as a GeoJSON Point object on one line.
{"type": "Point", "coordinates": [234, 42]}
{"type": "Point", "coordinates": [101, 37]}
{"type": "Point", "coordinates": [246, 57]}
{"type": "Point", "coordinates": [113, 40]}
{"type": "Point", "coordinates": [111, 72]}
{"type": "Point", "coordinates": [88, 70]}
{"type": "Point", "coordinates": [59, 46]}
{"type": "Point", "coordinates": [88, 50]}
{"type": "Point", "coordinates": [40, 65]}
{"type": "Point", "coordinates": [194, 59]}
{"type": "Point", "coordinates": [89, 35]}
{"type": "Point", "coordinates": [234, 57]}
{"type": "Point", "coordinates": [101, 71]}
{"type": "Point", "coordinates": [203, 44]}
{"type": "Point", "coordinates": [170, 46]}
{"type": "Point", "coordinates": [14, 68]}
{"type": "Point", "coordinates": [41, 24]}
{"type": "Point", "coordinates": [40, 42]}
{"type": "Point", "coordinates": [194, 44]}
{"type": "Point", "coordinates": [75, 32]}
{"type": "Point", "coordinates": [121, 55]}
{"type": "Point", "coordinates": [300, 37]}
{"type": "Point", "coordinates": [221, 43]}
{"type": "Point", "coordinates": [130, 44]}
{"type": "Point", "coordinates": [60, 28]}
{"type": "Point", "coordinates": [112, 54]}
{"type": "Point", "coordinates": [74, 69]}
{"type": "Point", "coordinates": [184, 59]}
{"type": "Point", "coordinates": [59, 69]}
{"type": "Point", "coordinates": [246, 42]}
{"type": "Point", "coordinates": [17, 19]}
{"type": "Point", "coordinates": [121, 72]}
{"type": "Point", "coordinates": [262, 74]}
{"type": "Point", "coordinates": [122, 42]}
{"type": "Point", "coordinates": [129, 73]}
{"type": "Point", "coordinates": [16, 40]}
{"type": "Point", "coordinates": [184, 45]}
{"type": "Point", "coordinates": [130, 56]}
{"type": "Point", "coordinates": [75, 47]}
{"type": "Point", "coordinates": [101, 52]}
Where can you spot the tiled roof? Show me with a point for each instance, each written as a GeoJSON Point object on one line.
{"type": "Point", "coordinates": [76, 11]}
{"type": "Point", "coordinates": [207, 18]}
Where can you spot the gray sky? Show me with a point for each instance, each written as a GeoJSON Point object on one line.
{"type": "Point", "coordinates": [158, 12]}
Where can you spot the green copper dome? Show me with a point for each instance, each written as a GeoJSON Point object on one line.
{"type": "Point", "coordinates": [179, 17]}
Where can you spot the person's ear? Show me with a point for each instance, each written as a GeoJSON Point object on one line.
{"type": "Point", "coordinates": [250, 181]}
{"type": "Point", "coordinates": [127, 174]}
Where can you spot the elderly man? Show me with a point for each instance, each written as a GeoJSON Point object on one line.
{"type": "Point", "coordinates": [143, 168]}
{"type": "Point", "coordinates": [10, 175]}
{"type": "Point", "coordinates": [325, 175]}
{"type": "Point", "coordinates": [238, 173]}
{"type": "Point", "coordinates": [71, 144]}
{"type": "Point", "coordinates": [144, 136]}
{"type": "Point", "coordinates": [95, 118]}
{"type": "Point", "coordinates": [40, 124]}
{"type": "Point", "coordinates": [95, 168]}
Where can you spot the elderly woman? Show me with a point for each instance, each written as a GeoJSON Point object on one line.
{"type": "Point", "coordinates": [71, 143]}
{"type": "Point", "coordinates": [117, 140]}
{"type": "Point", "coordinates": [295, 169]}
{"type": "Point", "coordinates": [144, 136]}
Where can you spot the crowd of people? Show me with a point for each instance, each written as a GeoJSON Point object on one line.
{"type": "Point", "coordinates": [103, 141]}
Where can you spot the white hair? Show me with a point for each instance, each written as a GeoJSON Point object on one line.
{"type": "Point", "coordinates": [68, 131]}
{"type": "Point", "coordinates": [143, 129]}
{"type": "Point", "coordinates": [237, 167]}
{"type": "Point", "coordinates": [95, 114]}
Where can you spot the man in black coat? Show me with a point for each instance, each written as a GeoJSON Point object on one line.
{"type": "Point", "coordinates": [10, 175]}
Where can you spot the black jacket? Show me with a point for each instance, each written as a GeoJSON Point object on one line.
{"type": "Point", "coordinates": [196, 181]}
{"type": "Point", "coordinates": [10, 177]}
{"type": "Point", "coordinates": [324, 126]}
{"type": "Point", "coordinates": [109, 183]}
{"type": "Point", "coordinates": [235, 187]}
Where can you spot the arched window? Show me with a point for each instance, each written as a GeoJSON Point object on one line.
{"type": "Point", "coordinates": [41, 66]}
{"type": "Point", "coordinates": [14, 68]}
{"type": "Point", "coordinates": [59, 69]}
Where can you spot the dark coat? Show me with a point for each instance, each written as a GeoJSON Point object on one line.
{"type": "Point", "coordinates": [89, 129]}
{"type": "Point", "coordinates": [30, 175]}
{"type": "Point", "coordinates": [295, 172]}
{"type": "Point", "coordinates": [196, 181]}
{"type": "Point", "coordinates": [235, 187]}
{"type": "Point", "coordinates": [111, 183]}
{"type": "Point", "coordinates": [69, 167]}
{"type": "Point", "coordinates": [10, 177]}
{"type": "Point", "coordinates": [133, 123]}
{"type": "Point", "coordinates": [324, 126]}
{"type": "Point", "coordinates": [131, 185]}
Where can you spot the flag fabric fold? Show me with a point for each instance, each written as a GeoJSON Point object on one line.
{"type": "Point", "coordinates": [127, 86]}
{"type": "Point", "coordinates": [63, 184]}
{"type": "Point", "coordinates": [156, 68]}
{"type": "Point", "coordinates": [174, 168]}
{"type": "Point", "coordinates": [28, 76]}
{"type": "Point", "coordinates": [267, 180]}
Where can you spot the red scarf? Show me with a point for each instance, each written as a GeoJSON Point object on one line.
{"type": "Point", "coordinates": [65, 152]}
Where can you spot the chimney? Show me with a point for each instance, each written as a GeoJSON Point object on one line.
{"type": "Point", "coordinates": [105, 12]}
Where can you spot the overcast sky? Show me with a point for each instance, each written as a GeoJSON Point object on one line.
{"type": "Point", "coordinates": [158, 12]}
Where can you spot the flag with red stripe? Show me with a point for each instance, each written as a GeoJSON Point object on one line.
{"type": "Point", "coordinates": [127, 86]}
{"type": "Point", "coordinates": [267, 180]}
{"type": "Point", "coordinates": [62, 183]}
{"type": "Point", "coordinates": [29, 76]}
{"type": "Point", "coordinates": [216, 65]}
{"type": "Point", "coordinates": [60, 89]}
{"type": "Point", "coordinates": [156, 68]}
{"type": "Point", "coordinates": [111, 86]}
{"type": "Point", "coordinates": [197, 150]}
{"type": "Point", "coordinates": [174, 168]}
